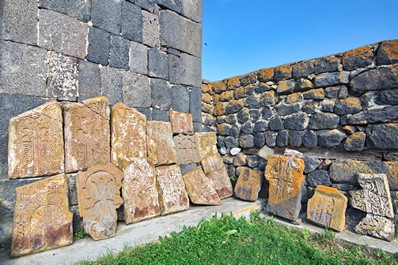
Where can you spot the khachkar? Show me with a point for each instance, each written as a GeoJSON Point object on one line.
{"type": "Point", "coordinates": [248, 185]}
{"type": "Point", "coordinates": [186, 148]}
{"type": "Point", "coordinates": [36, 142]}
{"type": "Point", "coordinates": [98, 191]}
{"type": "Point", "coordinates": [42, 220]}
{"type": "Point", "coordinates": [285, 176]}
{"type": "Point", "coordinates": [161, 147]}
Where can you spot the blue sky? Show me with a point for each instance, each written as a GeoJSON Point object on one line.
{"type": "Point", "coordinates": [247, 35]}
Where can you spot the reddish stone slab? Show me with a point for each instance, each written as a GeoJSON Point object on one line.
{"type": "Point", "coordinates": [248, 185]}
{"type": "Point", "coordinates": [161, 147]}
{"type": "Point", "coordinates": [181, 122]}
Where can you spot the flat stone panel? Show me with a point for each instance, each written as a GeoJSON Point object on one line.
{"type": "Point", "coordinates": [138, 58]}
{"type": "Point", "coordinates": [180, 98]}
{"type": "Point", "coordinates": [99, 43]}
{"type": "Point", "coordinates": [172, 194]}
{"type": "Point", "coordinates": [131, 22]}
{"type": "Point", "coordinates": [150, 29]}
{"type": "Point", "coordinates": [213, 167]}
{"type": "Point", "coordinates": [89, 80]}
{"type": "Point", "coordinates": [186, 147]}
{"type": "Point", "coordinates": [285, 176]}
{"type": "Point", "coordinates": [206, 143]}
{"type": "Point", "coordinates": [139, 191]}
{"type": "Point", "coordinates": [87, 134]}
{"type": "Point", "coordinates": [327, 208]}
{"type": "Point", "coordinates": [136, 90]}
{"type": "Point", "coordinates": [98, 191]}
{"type": "Point", "coordinates": [161, 147]}
{"type": "Point", "coordinates": [161, 94]}
{"type": "Point", "coordinates": [79, 9]}
{"type": "Point", "coordinates": [36, 142]}
{"type": "Point", "coordinates": [248, 185]}
{"type": "Point", "coordinates": [158, 64]}
{"type": "Point", "coordinates": [192, 9]}
{"type": "Point", "coordinates": [200, 188]}
{"type": "Point", "coordinates": [107, 15]}
{"type": "Point", "coordinates": [119, 53]}
{"type": "Point", "coordinates": [181, 122]}
{"type": "Point", "coordinates": [376, 226]}
{"type": "Point", "coordinates": [195, 105]}
{"type": "Point", "coordinates": [128, 135]}
{"type": "Point", "coordinates": [111, 84]}
{"type": "Point", "coordinates": [42, 219]}
{"type": "Point", "coordinates": [62, 34]}
{"type": "Point", "coordinates": [185, 69]}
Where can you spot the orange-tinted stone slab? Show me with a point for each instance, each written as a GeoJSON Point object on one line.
{"type": "Point", "coordinates": [128, 135]}
{"type": "Point", "coordinates": [248, 185]}
{"type": "Point", "coordinates": [87, 134]}
{"type": "Point", "coordinates": [200, 188]}
{"type": "Point", "coordinates": [98, 192]}
{"type": "Point", "coordinates": [139, 191]}
{"type": "Point", "coordinates": [181, 122]}
{"type": "Point", "coordinates": [172, 194]}
{"type": "Point", "coordinates": [187, 151]}
{"type": "Point", "coordinates": [36, 142]}
{"type": "Point", "coordinates": [285, 176]}
{"type": "Point", "coordinates": [161, 147]}
{"type": "Point", "coordinates": [327, 208]}
{"type": "Point", "coordinates": [42, 220]}
{"type": "Point", "coordinates": [206, 142]}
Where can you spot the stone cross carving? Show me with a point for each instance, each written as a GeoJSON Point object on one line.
{"type": "Point", "coordinates": [186, 147]}
{"type": "Point", "coordinates": [206, 142]}
{"type": "Point", "coordinates": [248, 184]}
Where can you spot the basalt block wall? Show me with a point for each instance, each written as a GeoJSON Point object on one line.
{"type": "Point", "coordinates": [145, 53]}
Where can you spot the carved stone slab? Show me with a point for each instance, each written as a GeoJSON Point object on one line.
{"type": "Point", "coordinates": [376, 226]}
{"type": "Point", "coordinates": [181, 122]}
{"type": "Point", "coordinates": [139, 191]}
{"type": "Point", "coordinates": [248, 184]}
{"type": "Point", "coordinates": [172, 194]}
{"type": "Point", "coordinates": [200, 188]}
{"type": "Point", "coordinates": [187, 151]}
{"type": "Point", "coordinates": [161, 147]}
{"type": "Point", "coordinates": [327, 208]}
{"type": "Point", "coordinates": [375, 195]}
{"type": "Point", "coordinates": [128, 135]}
{"type": "Point", "coordinates": [285, 176]}
{"type": "Point", "coordinates": [87, 134]}
{"type": "Point", "coordinates": [214, 168]}
{"type": "Point", "coordinates": [42, 219]}
{"type": "Point", "coordinates": [98, 192]}
{"type": "Point", "coordinates": [36, 142]}
{"type": "Point", "coordinates": [206, 142]}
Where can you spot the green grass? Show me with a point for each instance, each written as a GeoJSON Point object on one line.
{"type": "Point", "coordinates": [227, 240]}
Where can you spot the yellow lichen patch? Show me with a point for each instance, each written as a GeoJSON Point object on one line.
{"type": "Point", "coordinates": [226, 96]}
{"type": "Point", "coordinates": [268, 97]}
{"type": "Point", "coordinates": [223, 129]}
{"type": "Point", "coordinates": [207, 98]}
{"type": "Point", "coordinates": [266, 74]}
{"type": "Point", "coordinates": [219, 109]}
{"type": "Point", "coordinates": [216, 98]}
{"type": "Point", "coordinates": [353, 103]}
{"type": "Point", "coordinates": [389, 49]}
{"type": "Point", "coordinates": [283, 69]}
{"type": "Point", "coordinates": [219, 86]}
{"type": "Point", "coordinates": [248, 184]}
{"type": "Point", "coordinates": [293, 98]}
{"type": "Point", "coordinates": [318, 93]}
{"type": "Point", "coordinates": [242, 92]}
{"type": "Point", "coordinates": [208, 108]}
{"type": "Point", "coordinates": [361, 52]}
{"type": "Point", "coordinates": [233, 82]}
{"type": "Point", "coordinates": [207, 88]}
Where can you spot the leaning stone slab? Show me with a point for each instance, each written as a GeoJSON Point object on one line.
{"type": "Point", "coordinates": [187, 151]}
{"type": "Point", "coordinates": [161, 147]}
{"type": "Point", "coordinates": [181, 122]}
{"type": "Point", "coordinates": [206, 142]}
{"type": "Point", "coordinates": [327, 208]}
{"type": "Point", "coordinates": [248, 185]}
{"type": "Point", "coordinates": [87, 134]}
{"type": "Point", "coordinates": [98, 192]}
{"type": "Point", "coordinates": [42, 220]}
{"type": "Point", "coordinates": [213, 167]}
{"type": "Point", "coordinates": [128, 135]}
{"type": "Point", "coordinates": [376, 226]}
{"type": "Point", "coordinates": [173, 196]}
{"type": "Point", "coordinates": [200, 188]}
{"type": "Point", "coordinates": [36, 142]}
{"type": "Point", "coordinates": [285, 176]}
{"type": "Point", "coordinates": [375, 195]}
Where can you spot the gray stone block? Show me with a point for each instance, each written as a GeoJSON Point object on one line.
{"type": "Point", "coordinates": [326, 64]}
{"type": "Point", "coordinates": [161, 94]}
{"type": "Point", "coordinates": [318, 177]}
{"type": "Point", "coordinates": [185, 69]}
{"type": "Point", "coordinates": [376, 79]}
{"type": "Point", "coordinates": [148, 5]}
{"type": "Point", "coordinates": [287, 109]}
{"type": "Point", "coordinates": [311, 163]}
{"type": "Point", "coordinates": [158, 64]}
{"type": "Point", "coordinates": [174, 5]}
{"type": "Point", "coordinates": [131, 22]}
{"type": "Point", "coordinates": [295, 138]}
{"type": "Point", "coordinates": [246, 141]}
{"type": "Point", "coordinates": [243, 115]}
{"type": "Point", "coordinates": [195, 106]}
{"type": "Point", "coordinates": [160, 115]}
{"type": "Point", "coordinates": [79, 9]}
{"type": "Point", "coordinates": [107, 15]}
{"type": "Point", "coordinates": [330, 138]}
{"type": "Point", "coordinates": [62, 34]}
{"type": "Point", "coordinates": [180, 98]}
{"type": "Point", "coordinates": [23, 69]}
{"type": "Point", "coordinates": [89, 80]}
{"type": "Point", "coordinates": [192, 9]}
{"type": "Point", "coordinates": [383, 136]}
{"type": "Point", "coordinates": [147, 112]}
{"type": "Point", "coordinates": [298, 121]}
{"type": "Point", "coordinates": [150, 29]}
{"type": "Point", "coordinates": [119, 54]}
{"type": "Point", "coordinates": [138, 58]}
{"type": "Point", "coordinates": [385, 114]}
{"type": "Point", "coordinates": [270, 138]}
{"type": "Point", "coordinates": [72, 190]}
{"type": "Point", "coordinates": [180, 33]}
{"type": "Point", "coordinates": [19, 21]}
{"type": "Point", "coordinates": [283, 138]}
{"type": "Point", "coordinates": [111, 84]}
{"type": "Point", "coordinates": [259, 140]}
{"type": "Point", "coordinates": [324, 121]}
{"type": "Point", "coordinates": [331, 79]}
{"type": "Point", "coordinates": [247, 127]}
{"type": "Point", "coordinates": [276, 124]}
{"type": "Point", "coordinates": [62, 77]}
{"type": "Point", "coordinates": [98, 46]}
{"type": "Point", "coordinates": [310, 139]}
{"type": "Point", "coordinates": [136, 90]}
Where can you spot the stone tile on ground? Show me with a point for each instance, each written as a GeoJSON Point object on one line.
{"type": "Point", "coordinates": [181, 122]}
{"type": "Point", "coordinates": [248, 185]}
{"type": "Point", "coordinates": [206, 143]}
{"type": "Point", "coordinates": [186, 148]}
{"type": "Point", "coordinates": [161, 147]}
{"type": "Point", "coordinates": [376, 226]}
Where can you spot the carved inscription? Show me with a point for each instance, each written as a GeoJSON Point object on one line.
{"type": "Point", "coordinates": [161, 147]}
{"type": "Point", "coordinates": [36, 142]}
{"type": "Point", "coordinates": [181, 122]}
{"type": "Point", "coordinates": [98, 191]}
{"type": "Point", "coordinates": [376, 226]}
{"type": "Point", "coordinates": [248, 184]}
{"type": "Point", "coordinates": [186, 147]}
{"type": "Point", "coordinates": [42, 219]}
{"type": "Point", "coordinates": [206, 142]}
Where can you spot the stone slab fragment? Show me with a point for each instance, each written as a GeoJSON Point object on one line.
{"type": "Point", "coordinates": [79, 9]}
{"type": "Point", "coordinates": [161, 147]}
{"type": "Point", "coordinates": [376, 226]}
{"type": "Point", "coordinates": [36, 142]}
{"type": "Point", "coordinates": [173, 196]}
{"type": "Point", "coordinates": [213, 167]}
{"type": "Point", "coordinates": [158, 64]}
{"type": "Point", "coordinates": [42, 219]}
{"type": "Point", "coordinates": [186, 147]}
{"type": "Point", "coordinates": [107, 15]}
{"type": "Point", "coordinates": [206, 142]}
{"type": "Point", "coordinates": [200, 188]}
{"type": "Point", "coordinates": [98, 192]}
{"type": "Point", "coordinates": [248, 185]}
{"type": "Point", "coordinates": [327, 208]}
{"type": "Point", "coordinates": [87, 134]}
{"type": "Point", "coordinates": [387, 53]}
{"type": "Point", "coordinates": [128, 135]}
{"type": "Point", "coordinates": [139, 191]}
{"type": "Point", "coordinates": [161, 94]}
{"type": "Point", "coordinates": [181, 122]}
{"type": "Point", "coordinates": [383, 136]}
{"type": "Point", "coordinates": [180, 98]}
{"type": "Point", "coordinates": [285, 176]}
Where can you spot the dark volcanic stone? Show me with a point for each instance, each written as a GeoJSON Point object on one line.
{"type": "Point", "coordinates": [98, 46]}
{"type": "Point", "coordinates": [383, 136]}
{"type": "Point", "coordinates": [107, 15]}
{"type": "Point", "coordinates": [330, 138]}
{"type": "Point", "coordinates": [355, 142]}
{"type": "Point", "coordinates": [326, 64]}
{"type": "Point", "coordinates": [282, 138]}
{"type": "Point", "coordinates": [131, 22]}
{"type": "Point", "coordinates": [260, 126]}
{"type": "Point", "coordinates": [247, 127]}
{"type": "Point", "coordinates": [119, 53]}
{"type": "Point", "coordinates": [348, 106]}
{"type": "Point", "coordinates": [303, 69]}
{"type": "Point", "coordinates": [310, 139]}
{"type": "Point", "coordinates": [195, 104]}
{"type": "Point", "coordinates": [243, 115]}
{"type": "Point", "coordinates": [252, 161]}
{"type": "Point", "coordinates": [331, 79]}
{"type": "Point", "coordinates": [387, 97]}
{"type": "Point", "coordinates": [254, 115]}
{"type": "Point", "coordinates": [252, 102]}
{"type": "Point", "coordinates": [385, 114]}
{"type": "Point", "coordinates": [318, 177]}
{"type": "Point", "coordinates": [295, 138]}
{"type": "Point", "coordinates": [270, 138]}
{"type": "Point", "coordinates": [246, 141]}
{"type": "Point", "coordinates": [259, 140]}
{"type": "Point", "coordinates": [231, 142]}
{"type": "Point", "coordinates": [161, 94]}
{"type": "Point", "coordinates": [387, 53]}
{"type": "Point", "coordinates": [381, 78]}
{"type": "Point", "coordinates": [266, 113]}
{"type": "Point", "coordinates": [324, 121]}
{"type": "Point", "coordinates": [276, 124]}
{"type": "Point", "coordinates": [220, 141]}
{"type": "Point", "coordinates": [262, 87]}
{"type": "Point", "coordinates": [286, 109]}
{"type": "Point", "coordinates": [311, 163]}
{"type": "Point", "coordinates": [297, 121]}
{"type": "Point", "coordinates": [357, 58]}
{"type": "Point", "coordinates": [180, 98]}
{"type": "Point", "coordinates": [234, 131]}
{"type": "Point", "coordinates": [309, 107]}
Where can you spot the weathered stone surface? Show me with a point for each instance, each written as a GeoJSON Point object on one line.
{"type": "Point", "coordinates": [348, 106]}
{"type": "Point", "coordinates": [62, 34]}
{"type": "Point", "coordinates": [383, 136]}
{"type": "Point", "coordinates": [119, 53]}
{"type": "Point", "coordinates": [387, 53]}
{"type": "Point", "coordinates": [383, 97]}
{"type": "Point", "coordinates": [131, 22]}
{"type": "Point", "coordinates": [324, 121]}
{"type": "Point", "coordinates": [98, 46]}
{"type": "Point", "coordinates": [111, 84]}
{"type": "Point", "coordinates": [139, 191]}
{"type": "Point", "coordinates": [303, 69]}
{"type": "Point", "coordinates": [187, 149]}
{"type": "Point", "coordinates": [330, 138]}
{"type": "Point", "coordinates": [376, 226]}
{"type": "Point", "coordinates": [150, 29]}
{"type": "Point", "coordinates": [276, 124]}
{"type": "Point", "coordinates": [107, 15]}
{"type": "Point", "coordinates": [87, 134]}
{"type": "Point", "coordinates": [234, 106]}
{"type": "Point", "coordinates": [246, 141]}
{"type": "Point", "coordinates": [357, 58]}
{"type": "Point", "coordinates": [161, 147]}
{"type": "Point", "coordinates": [89, 80]}
{"type": "Point", "coordinates": [161, 94]}
{"type": "Point", "coordinates": [248, 185]}
{"type": "Point", "coordinates": [248, 79]}
{"type": "Point", "coordinates": [253, 161]}
{"type": "Point", "coordinates": [287, 109]}
{"type": "Point", "coordinates": [98, 191]}
{"type": "Point", "coordinates": [293, 98]}
{"type": "Point", "coordinates": [282, 72]}
{"type": "Point", "coordinates": [42, 219]}
{"type": "Point", "coordinates": [303, 84]}
{"type": "Point", "coordinates": [171, 188]}
{"type": "Point", "coordinates": [192, 10]}
{"type": "Point", "coordinates": [286, 86]}
{"type": "Point", "coordinates": [136, 90]}
{"type": "Point", "coordinates": [265, 75]}
{"type": "Point", "coordinates": [158, 64]}
{"type": "Point", "coordinates": [265, 152]}
{"type": "Point", "coordinates": [200, 188]}
{"type": "Point", "coordinates": [128, 135]}
{"type": "Point", "coordinates": [180, 98]}
{"type": "Point", "coordinates": [310, 139]}
{"type": "Point", "coordinates": [381, 78]}
{"type": "Point", "coordinates": [310, 106]}
{"type": "Point", "coordinates": [298, 121]}
{"type": "Point", "coordinates": [174, 5]}
{"type": "Point", "coordinates": [35, 143]}
{"type": "Point", "coordinates": [138, 58]}
{"type": "Point", "coordinates": [318, 177]}
{"type": "Point", "coordinates": [316, 94]}
{"type": "Point", "coordinates": [214, 169]}
{"type": "Point", "coordinates": [285, 176]}
{"type": "Point", "coordinates": [311, 163]}
{"type": "Point", "coordinates": [240, 160]}
{"type": "Point", "coordinates": [374, 197]}
{"type": "Point", "coordinates": [206, 143]}
{"type": "Point", "coordinates": [73, 8]}
{"type": "Point", "coordinates": [283, 138]}
{"type": "Point", "coordinates": [331, 79]}
{"type": "Point", "coordinates": [268, 98]}
{"type": "Point", "coordinates": [181, 122]}
{"type": "Point", "coordinates": [355, 142]}
{"type": "Point", "coordinates": [185, 69]}
{"type": "Point", "coordinates": [326, 64]}
{"type": "Point", "coordinates": [293, 153]}
{"type": "Point", "coordinates": [385, 114]}
{"type": "Point", "coordinates": [295, 138]}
